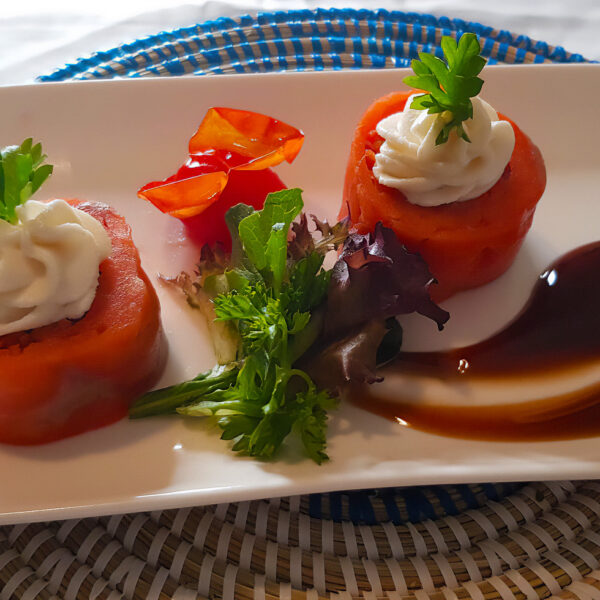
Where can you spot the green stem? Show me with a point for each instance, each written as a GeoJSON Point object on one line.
{"type": "Point", "coordinates": [167, 400]}
{"type": "Point", "coordinates": [303, 375]}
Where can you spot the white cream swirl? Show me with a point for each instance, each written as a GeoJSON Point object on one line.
{"type": "Point", "coordinates": [48, 264]}
{"type": "Point", "coordinates": [430, 175]}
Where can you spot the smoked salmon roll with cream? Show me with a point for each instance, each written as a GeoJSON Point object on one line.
{"type": "Point", "coordinates": [456, 181]}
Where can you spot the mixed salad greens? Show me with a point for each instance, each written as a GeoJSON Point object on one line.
{"type": "Point", "coordinates": [289, 334]}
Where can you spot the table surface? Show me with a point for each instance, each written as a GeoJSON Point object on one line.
{"type": "Point", "coordinates": [37, 36]}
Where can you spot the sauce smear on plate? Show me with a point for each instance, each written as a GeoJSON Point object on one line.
{"type": "Point", "coordinates": [556, 337]}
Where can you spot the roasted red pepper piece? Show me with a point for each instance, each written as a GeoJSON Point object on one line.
{"type": "Point", "coordinates": [227, 141]}
{"type": "Point", "coordinates": [261, 140]}
{"type": "Point", "coordinates": [249, 187]}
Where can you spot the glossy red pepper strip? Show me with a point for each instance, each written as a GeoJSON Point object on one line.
{"type": "Point", "coordinates": [227, 140]}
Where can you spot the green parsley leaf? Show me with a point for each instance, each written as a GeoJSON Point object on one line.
{"type": "Point", "coordinates": [449, 84]}
{"type": "Point", "coordinates": [299, 322]}
{"type": "Point", "coordinates": [310, 421]}
{"type": "Point", "coordinates": [22, 172]}
{"type": "Point", "coordinates": [308, 283]}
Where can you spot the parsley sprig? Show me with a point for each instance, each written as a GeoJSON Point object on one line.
{"type": "Point", "coordinates": [449, 84]}
{"type": "Point", "coordinates": [22, 172]}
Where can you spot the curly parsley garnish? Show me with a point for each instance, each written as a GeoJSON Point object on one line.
{"type": "Point", "coordinates": [22, 172]}
{"type": "Point", "coordinates": [449, 84]}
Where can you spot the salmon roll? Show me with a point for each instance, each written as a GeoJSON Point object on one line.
{"type": "Point", "coordinates": [456, 181]}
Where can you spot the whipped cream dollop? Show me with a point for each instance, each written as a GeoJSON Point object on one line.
{"type": "Point", "coordinates": [430, 175]}
{"type": "Point", "coordinates": [49, 264]}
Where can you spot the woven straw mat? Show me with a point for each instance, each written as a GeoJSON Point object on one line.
{"type": "Point", "coordinates": [534, 540]}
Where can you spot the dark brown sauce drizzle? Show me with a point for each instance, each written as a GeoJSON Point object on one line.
{"type": "Point", "coordinates": [558, 330]}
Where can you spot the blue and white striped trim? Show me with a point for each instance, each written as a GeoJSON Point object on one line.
{"type": "Point", "coordinates": [301, 40]}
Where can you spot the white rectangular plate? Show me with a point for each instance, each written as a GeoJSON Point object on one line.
{"type": "Point", "coordinates": [106, 139]}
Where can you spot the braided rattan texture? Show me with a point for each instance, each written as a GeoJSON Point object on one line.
{"type": "Point", "coordinates": [302, 40]}
{"type": "Point", "coordinates": [536, 540]}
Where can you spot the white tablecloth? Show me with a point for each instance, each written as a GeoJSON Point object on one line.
{"type": "Point", "coordinates": [37, 36]}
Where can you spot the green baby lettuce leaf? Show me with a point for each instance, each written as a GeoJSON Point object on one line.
{"type": "Point", "coordinates": [233, 217]}
{"type": "Point", "coordinates": [264, 234]}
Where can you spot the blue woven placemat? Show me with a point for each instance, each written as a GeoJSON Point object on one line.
{"type": "Point", "coordinates": [301, 40]}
